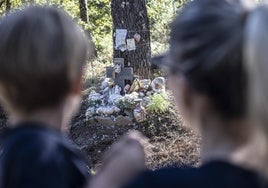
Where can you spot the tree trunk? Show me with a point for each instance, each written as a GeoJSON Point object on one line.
{"type": "Point", "coordinates": [132, 15]}
{"type": "Point", "coordinates": [83, 10]}
{"type": "Point", "coordinates": [84, 18]}
{"type": "Point", "coordinates": [8, 6]}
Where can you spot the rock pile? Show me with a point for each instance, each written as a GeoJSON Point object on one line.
{"type": "Point", "coordinates": [110, 107]}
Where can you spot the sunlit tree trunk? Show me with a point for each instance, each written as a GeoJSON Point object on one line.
{"type": "Point", "coordinates": [132, 15]}
{"type": "Point", "coordinates": [83, 10]}
{"type": "Point", "coordinates": [84, 17]}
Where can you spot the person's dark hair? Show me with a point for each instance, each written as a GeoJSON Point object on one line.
{"type": "Point", "coordinates": [206, 47]}
{"type": "Point", "coordinates": [42, 52]}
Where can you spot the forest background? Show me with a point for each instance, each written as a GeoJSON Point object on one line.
{"type": "Point", "coordinates": [160, 13]}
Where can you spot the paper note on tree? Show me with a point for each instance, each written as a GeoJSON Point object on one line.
{"type": "Point", "coordinates": [131, 44]}
{"type": "Point", "coordinates": [120, 39]}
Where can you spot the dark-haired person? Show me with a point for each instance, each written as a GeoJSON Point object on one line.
{"type": "Point", "coordinates": [42, 53]}
{"type": "Point", "coordinates": [209, 82]}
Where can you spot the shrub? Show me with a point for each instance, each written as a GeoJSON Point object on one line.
{"type": "Point", "coordinates": [159, 104]}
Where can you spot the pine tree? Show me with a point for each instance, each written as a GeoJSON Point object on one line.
{"type": "Point", "coordinates": [132, 15]}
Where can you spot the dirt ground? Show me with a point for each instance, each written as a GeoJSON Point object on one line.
{"type": "Point", "coordinates": [171, 143]}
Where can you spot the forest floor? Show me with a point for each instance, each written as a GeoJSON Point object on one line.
{"type": "Point", "coordinates": [171, 142]}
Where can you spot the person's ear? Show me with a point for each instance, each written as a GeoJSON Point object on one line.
{"type": "Point", "coordinates": [194, 103]}
{"type": "Point", "coordinates": [185, 92]}
{"type": "Point", "coordinates": [77, 85]}
{"type": "Point", "coordinates": [182, 93]}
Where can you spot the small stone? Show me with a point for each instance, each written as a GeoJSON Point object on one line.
{"type": "Point", "coordinates": [91, 121]}
{"type": "Point", "coordinates": [139, 114]}
{"type": "Point", "coordinates": [123, 120]}
{"type": "Point", "coordinates": [141, 94]}
{"type": "Point", "coordinates": [116, 109]}
{"type": "Point", "coordinates": [90, 112]}
{"type": "Point", "coordinates": [107, 110]}
{"type": "Point", "coordinates": [148, 93]}
{"type": "Point", "coordinates": [105, 121]}
{"type": "Point", "coordinates": [155, 149]}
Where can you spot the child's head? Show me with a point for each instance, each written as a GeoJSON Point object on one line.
{"type": "Point", "coordinates": [205, 49]}
{"type": "Point", "coordinates": [42, 53]}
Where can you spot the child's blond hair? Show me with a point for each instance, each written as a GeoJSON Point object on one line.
{"type": "Point", "coordinates": [42, 52]}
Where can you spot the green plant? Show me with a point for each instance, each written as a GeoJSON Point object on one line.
{"type": "Point", "coordinates": [159, 104]}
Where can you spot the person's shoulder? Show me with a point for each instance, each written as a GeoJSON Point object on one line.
{"type": "Point", "coordinates": [42, 155]}
{"type": "Point", "coordinates": [224, 174]}
{"type": "Point", "coordinates": [31, 138]}
{"type": "Point", "coordinates": [168, 177]}
{"type": "Point", "coordinates": [213, 174]}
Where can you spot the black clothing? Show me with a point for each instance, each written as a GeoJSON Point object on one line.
{"type": "Point", "coordinates": [33, 156]}
{"type": "Point", "coordinates": [215, 174]}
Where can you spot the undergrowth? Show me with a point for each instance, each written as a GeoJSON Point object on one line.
{"type": "Point", "coordinates": [158, 105]}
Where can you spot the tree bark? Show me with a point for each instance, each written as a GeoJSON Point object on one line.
{"type": "Point", "coordinates": [132, 15]}
{"type": "Point", "coordinates": [84, 17]}
{"type": "Point", "coordinates": [83, 10]}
